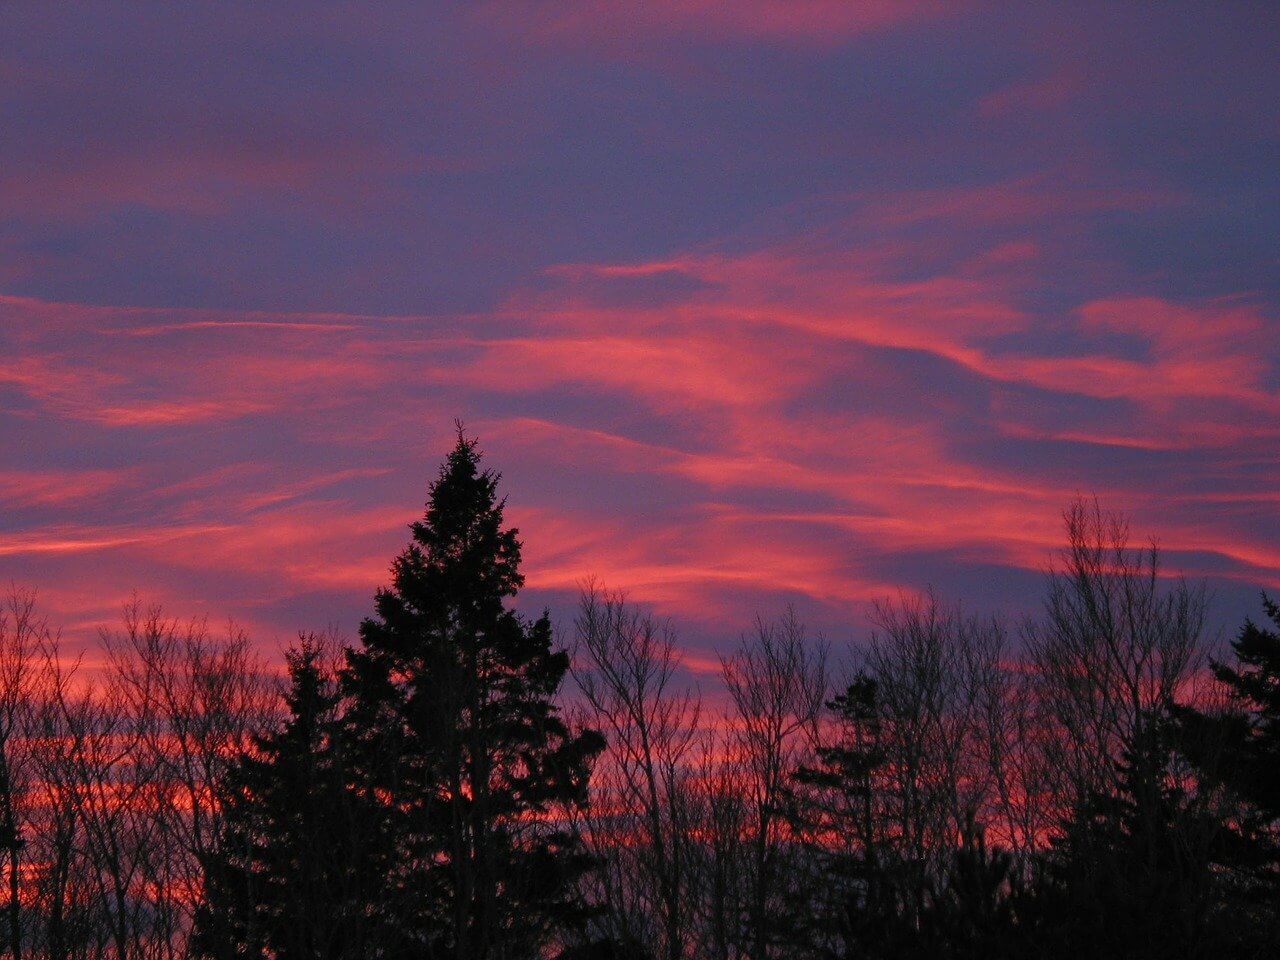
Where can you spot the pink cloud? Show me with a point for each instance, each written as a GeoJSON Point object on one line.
{"type": "Point", "coordinates": [775, 472]}
{"type": "Point", "coordinates": [60, 487]}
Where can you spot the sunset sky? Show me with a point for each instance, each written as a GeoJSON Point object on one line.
{"type": "Point", "coordinates": [750, 303]}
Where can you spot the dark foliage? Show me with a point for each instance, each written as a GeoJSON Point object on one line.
{"type": "Point", "coordinates": [290, 878]}
{"type": "Point", "coordinates": [1129, 874]}
{"type": "Point", "coordinates": [980, 910]}
{"type": "Point", "coordinates": [865, 898]}
{"type": "Point", "coordinates": [421, 809]}
{"type": "Point", "coordinates": [456, 740]}
{"type": "Point", "coordinates": [1236, 755]}
{"type": "Point", "coordinates": [849, 905]}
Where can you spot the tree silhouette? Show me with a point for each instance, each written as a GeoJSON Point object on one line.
{"type": "Point", "coordinates": [421, 797]}
{"type": "Point", "coordinates": [287, 880]}
{"type": "Point", "coordinates": [1129, 873]}
{"type": "Point", "coordinates": [1236, 754]}
{"type": "Point", "coordinates": [850, 904]}
{"type": "Point", "coordinates": [457, 741]}
{"type": "Point", "coordinates": [978, 909]}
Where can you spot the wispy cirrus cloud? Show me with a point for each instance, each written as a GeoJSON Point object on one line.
{"type": "Point", "coordinates": [770, 476]}
{"type": "Point", "coordinates": [752, 303]}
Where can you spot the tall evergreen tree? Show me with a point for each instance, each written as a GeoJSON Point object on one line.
{"type": "Point", "coordinates": [850, 904]}
{"type": "Point", "coordinates": [976, 911]}
{"type": "Point", "coordinates": [458, 743]}
{"type": "Point", "coordinates": [861, 898]}
{"type": "Point", "coordinates": [1130, 872]}
{"type": "Point", "coordinates": [286, 880]}
{"type": "Point", "coordinates": [1236, 754]}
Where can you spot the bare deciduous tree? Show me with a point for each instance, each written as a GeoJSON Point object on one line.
{"type": "Point", "coordinates": [1116, 643]}
{"type": "Point", "coordinates": [108, 779]}
{"type": "Point", "coordinates": [939, 686]}
{"type": "Point", "coordinates": [777, 684]}
{"type": "Point", "coordinates": [191, 702]}
{"type": "Point", "coordinates": [22, 632]}
{"type": "Point", "coordinates": [642, 819]}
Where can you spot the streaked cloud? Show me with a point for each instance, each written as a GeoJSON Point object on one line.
{"type": "Point", "coordinates": [803, 301]}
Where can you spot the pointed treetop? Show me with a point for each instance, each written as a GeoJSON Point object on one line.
{"type": "Point", "coordinates": [463, 530]}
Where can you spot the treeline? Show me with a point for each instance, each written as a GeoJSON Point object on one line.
{"type": "Point", "coordinates": [461, 783]}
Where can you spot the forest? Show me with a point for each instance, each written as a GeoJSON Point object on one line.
{"type": "Point", "coordinates": [464, 781]}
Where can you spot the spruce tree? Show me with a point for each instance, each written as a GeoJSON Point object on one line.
{"type": "Point", "coordinates": [286, 880]}
{"type": "Point", "coordinates": [1236, 755]}
{"type": "Point", "coordinates": [976, 911]}
{"type": "Point", "coordinates": [860, 898]}
{"type": "Point", "coordinates": [457, 741]}
{"type": "Point", "coordinates": [850, 904]}
{"type": "Point", "coordinates": [1129, 874]}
